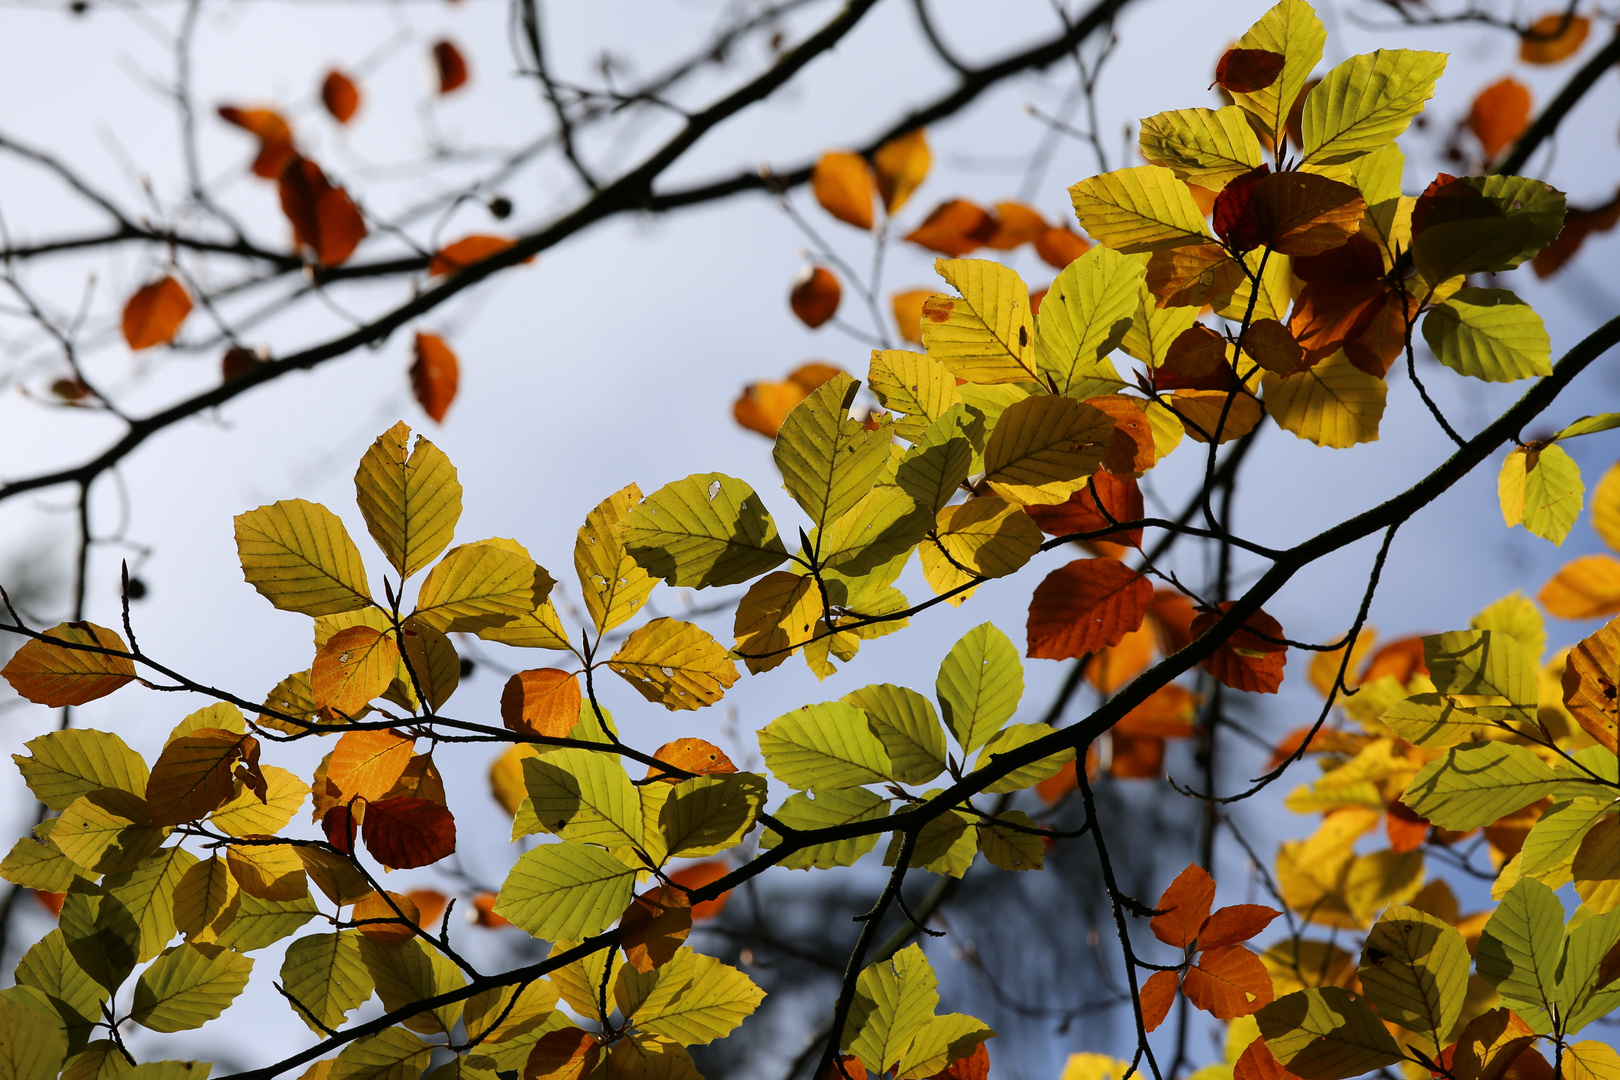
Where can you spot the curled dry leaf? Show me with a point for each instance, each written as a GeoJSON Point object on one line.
{"type": "Point", "coordinates": [541, 701]}
{"type": "Point", "coordinates": [340, 95]}
{"type": "Point", "coordinates": [842, 184]}
{"type": "Point", "coordinates": [324, 219]}
{"type": "Point", "coordinates": [435, 374]}
{"type": "Point", "coordinates": [154, 314]}
{"type": "Point", "coordinates": [815, 296]}
{"type": "Point", "coordinates": [450, 65]}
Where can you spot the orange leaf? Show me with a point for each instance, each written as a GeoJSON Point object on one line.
{"type": "Point", "coordinates": [154, 314]}
{"type": "Point", "coordinates": [467, 251]}
{"type": "Point", "coordinates": [1016, 225]}
{"type": "Point", "coordinates": [324, 219]}
{"type": "Point", "coordinates": [846, 1067]}
{"type": "Point", "coordinates": [1158, 993]}
{"type": "Point", "coordinates": [565, 1054]}
{"type": "Point", "coordinates": [1246, 661]}
{"type": "Point", "coordinates": [1228, 415]}
{"type": "Point", "coordinates": [48, 673]}
{"type": "Point", "coordinates": [1259, 1063]}
{"type": "Point", "coordinates": [435, 372]}
{"type": "Point", "coordinates": [50, 901]}
{"type": "Point", "coordinates": [404, 833]}
{"type": "Point", "coordinates": [1499, 115]}
{"type": "Point", "coordinates": [842, 184]}
{"type": "Point", "coordinates": [1233, 924]}
{"type": "Point", "coordinates": [541, 701]}
{"type": "Point", "coordinates": [1185, 906]}
{"type": "Point", "coordinates": [695, 756]}
{"type": "Point", "coordinates": [194, 775]}
{"type": "Point", "coordinates": [1550, 39]}
{"type": "Point", "coordinates": [1062, 782]}
{"type": "Point", "coordinates": [901, 165]}
{"type": "Point", "coordinates": [1171, 615]}
{"type": "Point", "coordinates": [1326, 741]}
{"type": "Point", "coordinates": [1401, 659]}
{"type": "Point", "coordinates": [1135, 757]}
{"type": "Point", "coordinates": [954, 229]}
{"type": "Point", "coordinates": [976, 1066]}
{"type": "Point", "coordinates": [697, 876]}
{"type": "Point", "coordinates": [366, 764]}
{"type": "Point", "coordinates": [764, 406]}
{"type": "Point", "coordinates": [1059, 246]}
{"type": "Point", "coordinates": [274, 135]}
{"type": "Point", "coordinates": [1131, 450]}
{"type": "Point", "coordinates": [430, 905]}
{"type": "Point", "coordinates": [1584, 588]}
{"type": "Point", "coordinates": [1168, 713]}
{"type": "Point", "coordinates": [1113, 667]}
{"type": "Point", "coordinates": [1589, 684]}
{"type": "Point", "coordinates": [1406, 831]}
{"type": "Point", "coordinates": [484, 912]}
{"type": "Point", "coordinates": [340, 95]}
{"type": "Point", "coordinates": [815, 296]}
{"type": "Point", "coordinates": [1243, 71]}
{"type": "Point", "coordinates": [1490, 1045]}
{"type": "Point", "coordinates": [355, 665]}
{"type": "Point", "coordinates": [1228, 982]}
{"type": "Point", "coordinates": [654, 926]}
{"type": "Point", "coordinates": [375, 907]}
{"type": "Point", "coordinates": [1121, 498]}
{"type": "Point", "coordinates": [1194, 275]}
{"type": "Point", "coordinates": [908, 313]}
{"type": "Point", "coordinates": [450, 65]}
{"type": "Point", "coordinates": [1085, 606]}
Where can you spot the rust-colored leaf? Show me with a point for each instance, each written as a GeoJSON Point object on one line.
{"type": "Point", "coordinates": [654, 926]}
{"type": "Point", "coordinates": [1405, 829]}
{"type": "Point", "coordinates": [1168, 713]}
{"type": "Point", "coordinates": [1087, 605]}
{"type": "Point", "coordinates": [1121, 499]}
{"type": "Point", "coordinates": [842, 184]}
{"type": "Point", "coordinates": [954, 229]}
{"type": "Point", "coordinates": [1499, 115]}
{"type": "Point", "coordinates": [1228, 982]}
{"type": "Point", "coordinates": [1016, 225]}
{"type": "Point", "coordinates": [435, 373]}
{"type": "Point", "coordinates": [845, 1067]}
{"type": "Point", "coordinates": [976, 1066]}
{"type": "Point", "coordinates": [404, 833]}
{"type": "Point", "coordinates": [450, 65]}
{"type": "Point", "coordinates": [1590, 685]}
{"type": "Point", "coordinates": [389, 926]}
{"type": "Point", "coordinates": [696, 756]}
{"type": "Point", "coordinates": [1060, 245]}
{"type": "Point", "coordinates": [50, 901]}
{"type": "Point", "coordinates": [1158, 993]}
{"type": "Point", "coordinates": [1184, 906]}
{"type": "Point", "coordinates": [1551, 38]}
{"type": "Point", "coordinates": [1257, 1062]}
{"type": "Point", "coordinates": [1238, 922]}
{"type": "Point", "coordinates": [468, 251]}
{"type": "Point", "coordinates": [1346, 304]}
{"type": "Point", "coordinates": [565, 1054]}
{"type": "Point", "coordinates": [367, 764]}
{"type": "Point", "coordinates": [274, 135]}
{"type": "Point", "coordinates": [484, 913]}
{"type": "Point", "coordinates": [1171, 615]}
{"type": "Point", "coordinates": [697, 876]}
{"type": "Point", "coordinates": [815, 296]}
{"type": "Point", "coordinates": [194, 776]}
{"type": "Point", "coordinates": [901, 165]}
{"type": "Point", "coordinates": [1269, 344]}
{"type": "Point", "coordinates": [1294, 213]}
{"type": "Point", "coordinates": [541, 701]}
{"type": "Point", "coordinates": [1246, 660]}
{"type": "Point", "coordinates": [154, 314]}
{"type": "Point", "coordinates": [1131, 450]}
{"type": "Point", "coordinates": [324, 219]}
{"type": "Point", "coordinates": [1220, 413]}
{"type": "Point", "coordinates": [1243, 71]}
{"type": "Point", "coordinates": [340, 95]}
{"type": "Point", "coordinates": [341, 827]}
{"type": "Point", "coordinates": [47, 672]}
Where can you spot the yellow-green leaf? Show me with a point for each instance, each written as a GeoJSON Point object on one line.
{"type": "Point", "coordinates": [818, 747]}
{"type": "Point", "coordinates": [1367, 102]}
{"type": "Point", "coordinates": [707, 529]}
{"type": "Point", "coordinates": [1333, 404]}
{"type": "Point", "coordinates": [300, 558]}
{"type": "Point", "coordinates": [986, 335]}
{"type": "Point", "coordinates": [1086, 314]}
{"type": "Point", "coordinates": [1478, 784]}
{"type": "Point", "coordinates": [539, 629]}
{"type": "Point", "coordinates": [410, 498]}
{"type": "Point", "coordinates": [148, 893]}
{"type": "Point", "coordinates": [983, 538]}
{"type": "Point", "coordinates": [324, 974]}
{"type": "Point", "coordinates": [206, 899]}
{"type": "Point", "coordinates": [1292, 29]}
{"type": "Point", "coordinates": [188, 986]}
{"type": "Point", "coordinates": [934, 469]}
{"type": "Point", "coordinates": [64, 765]}
{"type": "Point", "coordinates": [675, 664]}
{"type": "Point", "coordinates": [894, 1000]}
{"type": "Point", "coordinates": [1540, 488]}
{"type": "Point", "coordinates": [1011, 738]}
{"type": "Point", "coordinates": [838, 806]}
{"type": "Point", "coordinates": [1154, 328]}
{"type": "Point", "coordinates": [704, 815]}
{"type": "Point", "coordinates": [719, 998]}
{"type": "Point", "coordinates": [1207, 147]}
{"type": "Point", "coordinates": [1520, 948]}
{"type": "Point", "coordinates": [1326, 1034]}
{"type": "Point", "coordinates": [408, 971]}
{"type": "Point", "coordinates": [566, 890]}
{"type": "Point", "coordinates": [29, 1050]}
{"type": "Point", "coordinates": [1012, 848]}
{"type": "Point", "coordinates": [1489, 334]}
{"type": "Point", "coordinates": [107, 831]}
{"type": "Point", "coordinates": [914, 384]}
{"type": "Point", "coordinates": [584, 796]}
{"type": "Point", "coordinates": [1415, 970]}
{"type": "Point", "coordinates": [828, 459]}
{"type": "Point", "coordinates": [778, 614]}
{"type": "Point", "coordinates": [980, 682]}
{"type": "Point", "coordinates": [1141, 209]}
{"type": "Point", "coordinates": [481, 585]}
{"type": "Point", "coordinates": [613, 586]}
{"type": "Point", "coordinates": [905, 722]}
{"type": "Point", "coordinates": [1044, 449]}
{"type": "Point", "coordinates": [393, 1054]}
{"type": "Point", "coordinates": [1520, 216]}
{"type": "Point", "coordinates": [50, 968]}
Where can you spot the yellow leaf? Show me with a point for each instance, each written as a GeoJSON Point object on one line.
{"type": "Point", "coordinates": [613, 586]}
{"type": "Point", "coordinates": [986, 335]}
{"type": "Point", "coordinates": [410, 498]}
{"type": "Point", "coordinates": [1590, 1060]}
{"type": "Point", "coordinates": [1584, 588]}
{"type": "Point", "coordinates": [1207, 147]}
{"type": "Point", "coordinates": [205, 900]}
{"type": "Point", "coordinates": [539, 629]}
{"type": "Point", "coordinates": [1606, 507]}
{"type": "Point", "coordinates": [1044, 449]}
{"type": "Point", "coordinates": [1292, 29]}
{"type": "Point", "coordinates": [901, 165]}
{"type": "Point", "coordinates": [1153, 328]}
{"type": "Point", "coordinates": [300, 558]}
{"type": "Point", "coordinates": [268, 871]}
{"type": "Point", "coordinates": [1086, 315]}
{"type": "Point", "coordinates": [1367, 102]}
{"type": "Point", "coordinates": [1541, 489]}
{"type": "Point", "coordinates": [481, 585]}
{"type": "Point", "coordinates": [247, 813]}
{"type": "Point", "coordinates": [914, 384]}
{"type": "Point", "coordinates": [676, 664]}
{"type": "Point", "coordinates": [1333, 404]}
{"type": "Point", "coordinates": [353, 667]}
{"type": "Point", "coordinates": [777, 615]}
{"type": "Point", "coordinates": [433, 666]}
{"type": "Point", "coordinates": [1142, 209]}
{"type": "Point", "coordinates": [984, 537]}
{"type": "Point", "coordinates": [53, 674]}
{"type": "Point", "coordinates": [842, 184]}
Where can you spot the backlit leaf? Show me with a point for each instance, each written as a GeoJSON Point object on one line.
{"type": "Point", "coordinates": [367, 764]}
{"type": "Point", "coordinates": [901, 165]}
{"type": "Point", "coordinates": [1332, 404]}
{"type": "Point", "coordinates": [64, 765]}
{"type": "Point", "coordinates": [1228, 981]}
{"type": "Point", "coordinates": [719, 998]}
{"type": "Point", "coordinates": [450, 65]}
{"type": "Point", "coordinates": [987, 334]}
{"type": "Point", "coordinates": [1207, 147]}
{"type": "Point", "coordinates": [481, 585]}
{"type": "Point", "coordinates": [819, 810]}
{"type": "Point", "coordinates": [340, 95]}
{"type": "Point", "coordinates": [829, 460]}
{"type": "Point", "coordinates": [705, 815]}
{"type": "Point", "coordinates": [325, 974]}
{"type": "Point", "coordinates": [1367, 101]}
{"type": "Point", "coordinates": [1540, 488]}
{"type": "Point", "coordinates": [1474, 785]}
{"type": "Point", "coordinates": [408, 971]}
{"type": "Point", "coordinates": [1499, 115]}
{"type": "Point", "coordinates": [410, 498]}
{"type": "Point", "coordinates": [1415, 970]}
{"type": "Point", "coordinates": [404, 832]}
{"type": "Point", "coordinates": [842, 184]}
{"type": "Point", "coordinates": [906, 724]}
{"type": "Point", "coordinates": [1184, 907]}
{"type": "Point", "coordinates": [1589, 684]}
{"type": "Point", "coordinates": [818, 747]}
{"type": "Point", "coordinates": [986, 537]}
{"type": "Point", "coordinates": [435, 374]}
{"type": "Point", "coordinates": [392, 1054]}
{"type": "Point", "coordinates": [584, 796]}
{"type": "Point", "coordinates": [1326, 1034]}
{"type": "Point", "coordinates": [1043, 449]}
{"type": "Point", "coordinates": [56, 675]}
{"type": "Point", "coordinates": [1141, 209]}
{"type": "Point", "coordinates": [1085, 316]}
{"type": "Point", "coordinates": [1489, 334]}
{"type": "Point", "coordinates": [565, 891]}
{"type": "Point", "coordinates": [894, 999]}
{"type": "Point", "coordinates": [914, 384]}
{"type": "Point", "coordinates": [107, 831]}
{"type": "Point", "coordinates": [1292, 29]}
{"type": "Point", "coordinates": [1519, 950]}
{"type": "Point", "coordinates": [193, 776]}
{"type": "Point", "coordinates": [1251, 659]}
{"type": "Point", "coordinates": [325, 221]}
{"type": "Point", "coordinates": [980, 682]}
{"type": "Point", "coordinates": [1084, 607]}
{"type": "Point", "coordinates": [954, 228]}
{"type": "Point", "coordinates": [778, 614]}
{"type": "Point", "coordinates": [353, 667]}
{"type": "Point", "coordinates": [1554, 37]}
{"type": "Point", "coordinates": [154, 314]}
{"type": "Point", "coordinates": [188, 986]}
{"type": "Point", "coordinates": [675, 664]}
{"type": "Point", "coordinates": [298, 555]}
{"type": "Point", "coordinates": [707, 529]}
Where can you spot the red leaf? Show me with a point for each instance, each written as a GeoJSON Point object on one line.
{"type": "Point", "coordinates": [954, 229]}
{"type": "Point", "coordinates": [1228, 982]}
{"type": "Point", "coordinates": [404, 833]}
{"type": "Point", "coordinates": [1234, 214]}
{"type": "Point", "coordinates": [815, 296]}
{"type": "Point", "coordinates": [50, 901]}
{"type": "Point", "coordinates": [1158, 993]}
{"type": "Point", "coordinates": [339, 826]}
{"type": "Point", "coordinates": [434, 375]}
{"type": "Point", "coordinates": [695, 756]}
{"type": "Point", "coordinates": [1246, 661]}
{"type": "Point", "coordinates": [976, 1066]}
{"type": "Point", "coordinates": [1087, 605]}
{"type": "Point", "coordinates": [654, 927]}
{"type": "Point", "coordinates": [1295, 213]}
{"type": "Point", "coordinates": [1259, 1063]}
{"type": "Point", "coordinates": [1243, 71]}
{"type": "Point", "coordinates": [154, 314]}
{"type": "Point", "coordinates": [324, 219]}
{"type": "Point", "coordinates": [451, 66]}
{"type": "Point", "coordinates": [1121, 498]}
{"type": "Point", "coordinates": [541, 701]}
{"type": "Point", "coordinates": [1185, 905]}
{"type": "Point", "coordinates": [1233, 924]}
{"type": "Point", "coordinates": [697, 876]}
{"type": "Point", "coordinates": [340, 95]}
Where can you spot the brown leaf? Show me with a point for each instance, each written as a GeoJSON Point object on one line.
{"type": "Point", "coordinates": [193, 776]}
{"type": "Point", "coordinates": [154, 314]}
{"type": "Point", "coordinates": [845, 1067]}
{"type": "Point", "coordinates": [1016, 225]}
{"type": "Point", "coordinates": [468, 251]}
{"type": "Point", "coordinates": [695, 756]}
{"type": "Point", "coordinates": [274, 135]}
{"type": "Point", "coordinates": [541, 701]}
{"type": "Point", "coordinates": [1185, 906]}
{"type": "Point", "coordinates": [1131, 449]}
{"type": "Point", "coordinates": [1059, 246]}
{"type": "Point", "coordinates": [1228, 982]}
{"type": "Point", "coordinates": [1550, 39]}
{"type": "Point", "coordinates": [1590, 685]}
{"type": "Point", "coordinates": [1243, 71]}
{"type": "Point", "coordinates": [238, 362]}
{"type": "Point", "coordinates": [1121, 498]}
{"type": "Point", "coordinates": [404, 833]}
{"type": "Point", "coordinates": [1499, 115]}
{"type": "Point", "coordinates": [697, 876]}
{"type": "Point", "coordinates": [954, 229]}
{"type": "Point", "coordinates": [1085, 606]}
{"type": "Point", "coordinates": [1193, 276]}
{"type": "Point", "coordinates": [1158, 993]}
{"type": "Point", "coordinates": [435, 373]}
{"type": "Point", "coordinates": [1246, 661]}
{"type": "Point", "coordinates": [48, 673]}
{"type": "Point", "coordinates": [1238, 922]}
{"type": "Point", "coordinates": [376, 907]}
{"type": "Point", "coordinates": [1196, 360]}
{"type": "Point", "coordinates": [815, 296]}
{"type": "Point", "coordinates": [367, 764]}
{"type": "Point", "coordinates": [901, 165]}
{"type": "Point", "coordinates": [324, 219]}
{"type": "Point", "coordinates": [340, 95]}
{"type": "Point", "coordinates": [565, 1054]}
{"type": "Point", "coordinates": [1294, 213]}
{"type": "Point", "coordinates": [842, 184]}
{"type": "Point", "coordinates": [1269, 344]}
{"type": "Point", "coordinates": [1215, 412]}
{"type": "Point", "coordinates": [1345, 303]}
{"type": "Point", "coordinates": [450, 65]}
{"type": "Point", "coordinates": [654, 927]}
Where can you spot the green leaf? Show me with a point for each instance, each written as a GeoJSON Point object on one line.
{"type": "Point", "coordinates": [1520, 948]}
{"type": "Point", "coordinates": [50, 968]}
{"type": "Point", "coordinates": [1326, 1034]}
{"type": "Point", "coordinates": [107, 831]}
{"type": "Point", "coordinates": [946, 845]}
{"type": "Point", "coordinates": [938, 1044]}
{"type": "Point", "coordinates": [1478, 784]}
{"type": "Point", "coordinates": [394, 1054]}
{"type": "Point", "coordinates": [980, 683]}
{"type": "Point", "coordinates": [830, 745]}
{"type": "Point", "coordinates": [719, 998]}
{"type": "Point", "coordinates": [1010, 848]}
{"type": "Point", "coordinates": [584, 796]}
{"type": "Point", "coordinates": [1489, 334]}
{"type": "Point", "coordinates": [1480, 663]}
{"type": "Point", "coordinates": [259, 923]}
{"type": "Point", "coordinates": [64, 765]}
{"type": "Point", "coordinates": [987, 335]}
{"type": "Point", "coordinates": [1367, 102]}
{"type": "Point", "coordinates": [828, 459]}
{"type": "Point", "coordinates": [29, 1050]}
{"type": "Point", "coordinates": [245, 813]}
{"type": "Point", "coordinates": [1586, 988]}
{"type": "Point", "coordinates": [808, 812]}
{"type": "Point", "coordinates": [189, 985]}
{"type": "Point", "coordinates": [300, 558]}
{"type": "Point", "coordinates": [40, 864]}
{"type": "Point", "coordinates": [147, 893]}
{"type": "Point", "coordinates": [914, 384]}
{"type": "Point", "coordinates": [1557, 834]}
{"type": "Point", "coordinates": [1025, 776]}
{"type": "Point", "coordinates": [707, 529]}
{"type": "Point", "coordinates": [409, 971]}
{"type": "Point", "coordinates": [410, 498]}
{"type": "Point", "coordinates": [482, 585]}
{"type": "Point", "coordinates": [566, 891]}
{"type": "Point", "coordinates": [1434, 721]}
{"type": "Point", "coordinates": [1513, 218]}
{"type": "Point", "coordinates": [1207, 147]}
{"type": "Point", "coordinates": [933, 470]}
{"type": "Point", "coordinates": [1137, 210]}
{"type": "Point", "coordinates": [1086, 314]}
{"type": "Point", "coordinates": [1415, 970]}
{"type": "Point", "coordinates": [1292, 29]}
{"type": "Point", "coordinates": [909, 729]}
{"type": "Point", "coordinates": [1541, 489]}
{"type": "Point", "coordinates": [488, 1015]}
{"type": "Point", "coordinates": [894, 1000]}
{"type": "Point", "coordinates": [325, 974]}
{"type": "Point", "coordinates": [100, 1060]}
{"type": "Point", "coordinates": [705, 815]}
{"type": "Point", "coordinates": [1044, 449]}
